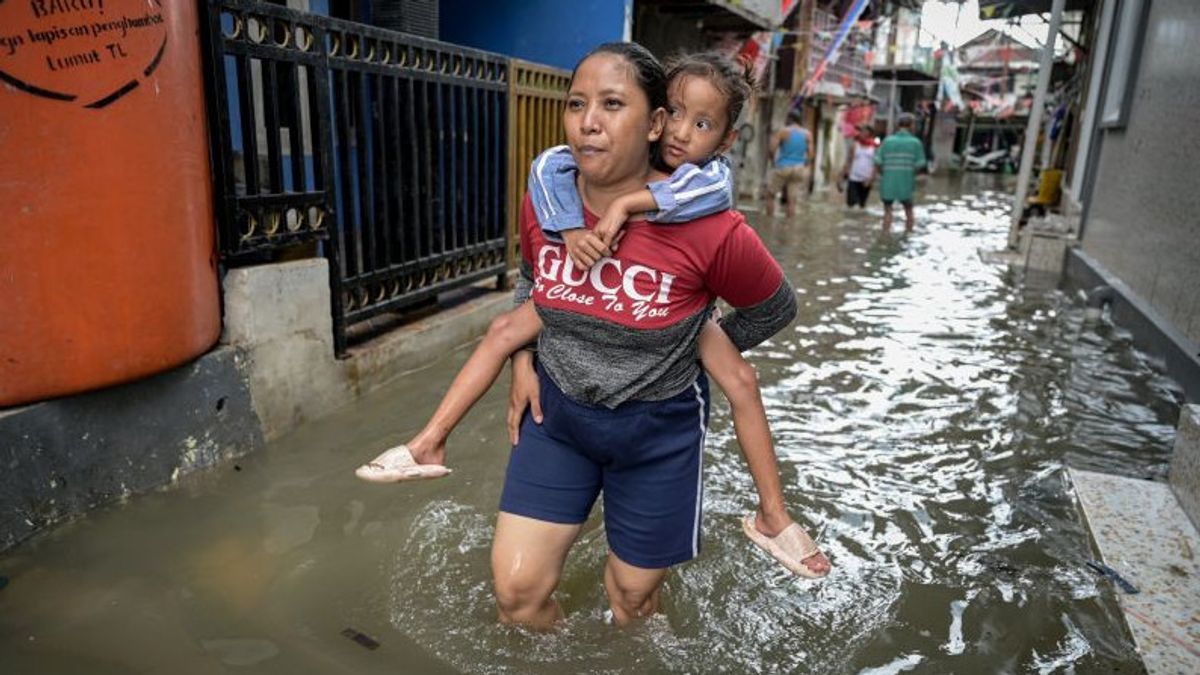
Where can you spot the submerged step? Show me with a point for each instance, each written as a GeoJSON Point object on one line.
{"type": "Point", "coordinates": [1185, 462]}
{"type": "Point", "coordinates": [1145, 536]}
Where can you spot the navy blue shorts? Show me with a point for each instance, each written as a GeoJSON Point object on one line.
{"type": "Point", "coordinates": [646, 456]}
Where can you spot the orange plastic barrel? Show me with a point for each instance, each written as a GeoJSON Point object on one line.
{"type": "Point", "coordinates": [107, 263]}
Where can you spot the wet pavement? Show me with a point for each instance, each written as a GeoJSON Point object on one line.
{"type": "Point", "coordinates": [925, 407]}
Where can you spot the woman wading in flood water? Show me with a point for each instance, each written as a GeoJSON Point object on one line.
{"type": "Point", "coordinates": [624, 402]}
{"type": "Point", "coordinates": [619, 403]}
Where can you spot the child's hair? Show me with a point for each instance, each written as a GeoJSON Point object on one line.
{"type": "Point", "coordinates": [646, 69]}
{"type": "Point", "coordinates": [795, 117]}
{"type": "Point", "coordinates": [734, 79]}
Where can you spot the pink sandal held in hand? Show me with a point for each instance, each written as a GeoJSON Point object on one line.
{"type": "Point", "coordinates": [397, 464]}
{"type": "Point", "coordinates": [791, 547]}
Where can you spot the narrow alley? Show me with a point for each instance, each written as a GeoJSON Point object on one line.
{"type": "Point", "coordinates": [924, 404]}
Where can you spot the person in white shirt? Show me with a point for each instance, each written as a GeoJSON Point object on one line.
{"type": "Point", "coordinates": [859, 171]}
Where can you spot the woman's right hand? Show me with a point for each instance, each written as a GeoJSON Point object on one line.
{"type": "Point", "coordinates": [525, 391]}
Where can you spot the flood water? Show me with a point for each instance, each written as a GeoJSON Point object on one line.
{"type": "Point", "coordinates": [925, 407]}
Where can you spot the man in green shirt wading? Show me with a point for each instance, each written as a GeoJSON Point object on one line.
{"type": "Point", "coordinates": [899, 157]}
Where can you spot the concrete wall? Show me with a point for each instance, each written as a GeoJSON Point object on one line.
{"type": "Point", "coordinates": [552, 32]}
{"type": "Point", "coordinates": [667, 34]}
{"type": "Point", "coordinates": [66, 456]}
{"type": "Point", "coordinates": [274, 371]}
{"type": "Point", "coordinates": [1143, 222]}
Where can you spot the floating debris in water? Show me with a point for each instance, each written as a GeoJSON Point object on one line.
{"type": "Point", "coordinates": [1109, 572]}
{"type": "Point", "coordinates": [361, 638]}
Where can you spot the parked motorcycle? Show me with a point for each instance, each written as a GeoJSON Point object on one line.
{"type": "Point", "coordinates": [993, 160]}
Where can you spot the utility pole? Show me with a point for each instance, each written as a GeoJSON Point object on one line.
{"type": "Point", "coordinates": [766, 115]}
{"type": "Point", "coordinates": [892, 104]}
{"type": "Point", "coordinates": [1045, 65]}
{"type": "Point", "coordinates": [891, 61]}
{"type": "Point", "coordinates": [804, 26]}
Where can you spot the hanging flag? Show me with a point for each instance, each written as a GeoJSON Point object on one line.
{"type": "Point", "coordinates": [839, 37]}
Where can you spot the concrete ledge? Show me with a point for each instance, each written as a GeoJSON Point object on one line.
{"type": "Point", "coordinates": [1151, 332]}
{"type": "Point", "coordinates": [414, 346]}
{"type": "Point", "coordinates": [1144, 535]}
{"type": "Point", "coordinates": [1046, 252]}
{"type": "Point", "coordinates": [278, 316]}
{"type": "Point", "coordinates": [66, 456]}
{"type": "Point", "coordinates": [1043, 247]}
{"type": "Point", "coordinates": [1185, 462]}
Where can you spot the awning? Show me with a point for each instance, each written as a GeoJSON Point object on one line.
{"type": "Point", "coordinates": [903, 73]}
{"type": "Point", "coordinates": [1003, 9]}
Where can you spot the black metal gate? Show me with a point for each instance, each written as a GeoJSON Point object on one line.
{"type": "Point", "coordinates": [387, 149]}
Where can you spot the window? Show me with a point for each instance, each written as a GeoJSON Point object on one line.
{"type": "Point", "coordinates": [1123, 62]}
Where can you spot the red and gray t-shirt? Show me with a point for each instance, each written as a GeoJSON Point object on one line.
{"type": "Point", "coordinates": [628, 329]}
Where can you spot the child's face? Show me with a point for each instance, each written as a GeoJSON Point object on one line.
{"type": "Point", "coordinates": [697, 122]}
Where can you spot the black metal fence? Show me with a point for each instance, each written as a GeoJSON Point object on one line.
{"type": "Point", "coordinates": [387, 149]}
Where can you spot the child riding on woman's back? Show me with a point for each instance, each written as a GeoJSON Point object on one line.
{"type": "Point", "coordinates": [706, 93]}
